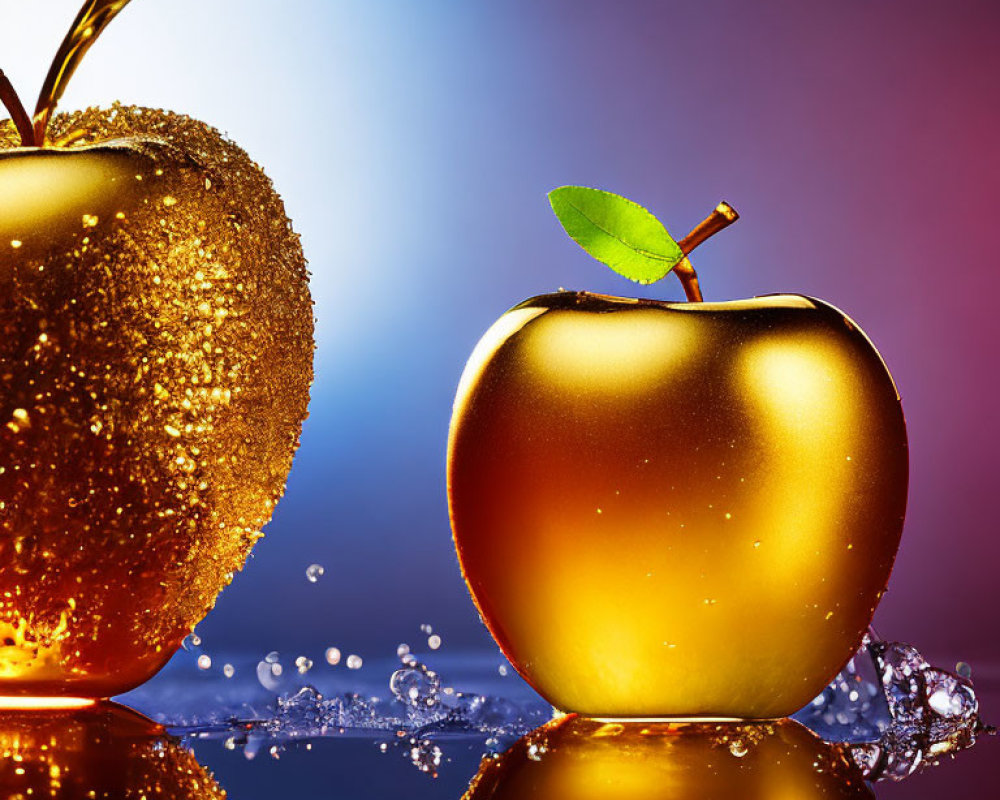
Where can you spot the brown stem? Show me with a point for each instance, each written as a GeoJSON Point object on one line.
{"type": "Point", "coordinates": [723, 216]}
{"type": "Point", "coordinates": [17, 113]}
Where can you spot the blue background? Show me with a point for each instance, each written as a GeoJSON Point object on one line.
{"type": "Point", "coordinates": [414, 144]}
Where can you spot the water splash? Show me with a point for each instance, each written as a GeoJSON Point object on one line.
{"type": "Point", "coordinates": [891, 709]}
{"type": "Point", "coordinates": [901, 716]}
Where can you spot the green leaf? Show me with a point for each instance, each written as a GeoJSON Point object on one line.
{"type": "Point", "coordinates": [616, 232]}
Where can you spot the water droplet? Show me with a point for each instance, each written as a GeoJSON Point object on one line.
{"type": "Point", "coordinates": [402, 650]}
{"type": "Point", "coordinates": [948, 697]}
{"type": "Point", "coordinates": [502, 669]}
{"type": "Point", "coordinates": [354, 662]}
{"type": "Point", "coordinates": [738, 748]}
{"type": "Point", "coordinates": [314, 572]}
{"type": "Point", "coordinates": [303, 664]}
{"type": "Point", "coordinates": [427, 629]}
{"type": "Point", "coordinates": [269, 675]}
{"type": "Point", "coordinates": [228, 670]}
{"type": "Point", "coordinates": [204, 661]}
{"type": "Point", "coordinates": [273, 657]}
{"type": "Point", "coordinates": [332, 656]}
{"type": "Point", "coordinates": [434, 642]}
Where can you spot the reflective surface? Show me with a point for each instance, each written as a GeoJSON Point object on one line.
{"type": "Point", "coordinates": [360, 735]}
{"type": "Point", "coordinates": [155, 362]}
{"type": "Point", "coordinates": [578, 759]}
{"type": "Point", "coordinates": [103, 752]}
{"type": "Point", "coordinates": [677, 509]}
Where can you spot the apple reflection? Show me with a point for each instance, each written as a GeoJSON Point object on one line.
{"type": "Point", "coordinates": [575, 758]}
{"type": "Point", "coordinates": [102, 750]}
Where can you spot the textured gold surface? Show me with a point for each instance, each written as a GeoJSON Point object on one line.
{"type": "Point", "coordinates": [677, 509]}
{"type": "Point", "coordinates": [105, 752]}
{"type": "Point", "coordinates": [155, 361]}
{"type": "Point", "coordinates": [580, 759]}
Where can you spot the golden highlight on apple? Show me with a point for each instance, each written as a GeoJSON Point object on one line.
{"type": "Point", "coordinates": [674, 509]}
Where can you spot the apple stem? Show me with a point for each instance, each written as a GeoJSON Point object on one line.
{"type": "Point", "coordinates": [17, 113]}
{"type": "Point", "coordinates": [723, 216]}
{"type": "Point", "coordinates": [93, 18]}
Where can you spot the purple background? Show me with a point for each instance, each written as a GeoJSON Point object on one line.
{"type": "Point", "coordinates": [414, 144]}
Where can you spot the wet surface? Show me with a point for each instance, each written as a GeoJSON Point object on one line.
{"type": "Point", "coordinates": [421, 724]}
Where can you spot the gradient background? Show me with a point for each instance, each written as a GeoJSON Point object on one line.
{"type": "Point", "coordinates": [414, 144]}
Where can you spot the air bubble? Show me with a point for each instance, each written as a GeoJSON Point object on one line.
{"type": "Point", "coordinates": [415, 686]}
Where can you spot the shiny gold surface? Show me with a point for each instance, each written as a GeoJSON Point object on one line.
{"type": "Point", "coordinates": [90, 22]}
{"type": "Point", "coordinates": [580, 759]}
{"type": "Point", "coordinates": [677, 509]}
{"type": "Point", "coordinates": [106, 752]}
{"type": "Point", "coordinates": [155, 362]}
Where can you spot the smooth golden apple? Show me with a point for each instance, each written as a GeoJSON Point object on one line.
{"type": "Point", "coordinates": [677, 509]}
{"type": "Point", "coordinates": [581, 759]}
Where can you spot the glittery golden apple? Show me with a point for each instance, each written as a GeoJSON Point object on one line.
{"type": "Point", "coordinates": [101, 751]}
{"type": "Point", "coordinates": [677, 509]}
{"type": "Point", "coordinates": [580, 759]}
{"type": "Point", "coordinates": [155, 363]}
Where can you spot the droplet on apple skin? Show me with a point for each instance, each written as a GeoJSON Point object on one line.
{"type": "Point", "coordinates": [669, 417]}
{"type": "Point", "coordinates": [156, 327]}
